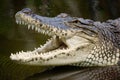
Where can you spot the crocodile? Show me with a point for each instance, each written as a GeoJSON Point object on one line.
{"type": "Point", "coordinates": [74, 41]}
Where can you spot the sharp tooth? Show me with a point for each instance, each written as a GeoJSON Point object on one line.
{"type": "Point", "coordinates": [54, 37]}
{"type": "Point", "coordinates": [41, 46]}
{"type": "Point", "coordinates": [43, 26]}
{"type": "Point", "coordinates": [54, 29]}
{"type": "Point", "coordinates": [22, 51]}
{"type": "Point", "coordinates": [12, 54]}
{"type": "Point", "coordinates": [59, 37]}
{"type": "Point", "coordinates": [28, 26]}
{"type": "Point", "coordinates": [23, 22]}
{"type": "Point", "coordinates": [36, 53]}
{"type": "Point", "coordinates": [47, 32]}
{"type": "Point", "coordinates": [17, 53]}
{"type": "Point", "coordinates": [49, 26]}
{"type": "Point", "coordinates": [20, 22]}
{"type": "Point", "coordinates": [33, 27]}
{"type": "Point", "coordinates": [43, 32]}
{"type": "Point", "coordinates": [36, 29]}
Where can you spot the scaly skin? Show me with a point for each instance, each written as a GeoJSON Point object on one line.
{"type": "Point", "coordinates": [75, 41]}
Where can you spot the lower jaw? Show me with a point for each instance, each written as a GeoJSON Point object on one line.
{"type": "Point", "coordinates": [33, 55]}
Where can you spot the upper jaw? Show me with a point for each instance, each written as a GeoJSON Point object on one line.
{"type": "Point", "coordinates": [44, 25]}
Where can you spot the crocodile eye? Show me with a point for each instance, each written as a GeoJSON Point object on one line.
{"type": "Point", "coordinates": [27, 11]}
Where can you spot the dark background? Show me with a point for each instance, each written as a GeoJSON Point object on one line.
{"type": "Point", "coordinates": [15, 38]}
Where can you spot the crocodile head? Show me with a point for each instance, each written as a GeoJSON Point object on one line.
{"type": "Point", "coordinates": [69, 43]}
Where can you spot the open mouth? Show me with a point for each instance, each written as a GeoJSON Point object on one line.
{"type": "Point", "coordinates": [52, 48]}
{"type": "Point", "coordinates": [67, 45]}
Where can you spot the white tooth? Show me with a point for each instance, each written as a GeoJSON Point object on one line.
{"type": "Point", "coordinates": [17, 53]}
{"type": "Point", "coordinates": [49, 26]}
{"type": "Point", "coordinates": [12, 54]}
{"type": "Point", "coordinates": [39, 30]}
{"type": "Point", "coordinates": [59, 37]}
{"type": "Point", "coordinates": [19, 22]}
{"type": "Point", "coordinates": [36, 28]}
{"type": "Point", "coordinates": [43, 31]}
{"type": "Point", "coordinates": [47, 32]}
{"type": "Point", "coordinates": [33, 27]}
{"type": "Point", "coordinates": [41, 46]}
{"type": "Point", "coordinates": [36, 53]}
{"type": "Point", "coordinates": [54, 37]}
{"type": "Point", "coordinates": [23, 22]}
{"type": "Point", "coordinates": [28, 26]}
{"type": "Point", "coordinates": [54, 29]}
{"type": "Point", "coordinates": [43, 25]}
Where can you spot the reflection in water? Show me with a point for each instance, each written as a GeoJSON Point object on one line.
{"type": "Point", "coordinates": [12, 71]}
{"type": "Point", "coordinates": [14, 38]}
{"type": "Point", "coordinates": [77, 73]}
